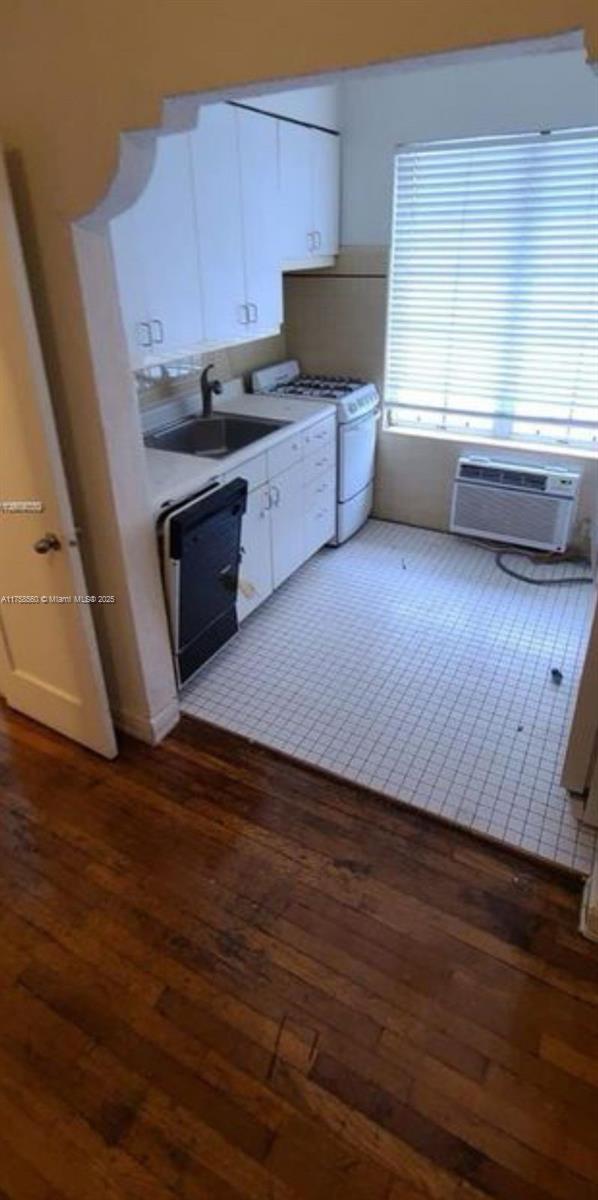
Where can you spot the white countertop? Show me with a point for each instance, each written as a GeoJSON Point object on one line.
{"type": "Point", "coordinates": [172, 477]}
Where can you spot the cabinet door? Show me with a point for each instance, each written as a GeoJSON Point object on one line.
{"type": "Point", "coordinates": [155, 253]}
{"type": "Point", "coordinates": [132, 288]}
{"type": "Point", "coordinates": [295, 190]}
{"type": "Point", "coordinates": [258, 162]}
{"type": "Point", "coordinates": [255, 574]}
{"type": "Point", "coordinates": [325, 161]}
{"type": "Point", "coordinates": [220, 229]}
{"type": "Point", "coordinates": [167, 232]}
{"type": "Point", "coordinates": [320, 526]}
{"type": "Point", "coordinates": [287, 523]}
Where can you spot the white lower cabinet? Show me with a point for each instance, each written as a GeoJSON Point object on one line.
{"type": "Point", "coordinates": [286, 517]}
{"type": "Point", "coordinates": [319, 523]}
{"type": "Point", "coordinates": [255, 573]}
{"type": "Point", "coordinates": [291, 510]}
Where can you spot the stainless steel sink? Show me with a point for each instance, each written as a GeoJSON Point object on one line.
{"type": "Point", "coordinates": [212, 436]}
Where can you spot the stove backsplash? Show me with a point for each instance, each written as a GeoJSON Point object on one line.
{"type": "Point", "coordinates": [178, 379]}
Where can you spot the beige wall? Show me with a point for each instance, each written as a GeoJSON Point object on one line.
{"type": "Point", "coordinates": [335, 322]}
{"type": "Point", "coordinates": [479, 97]}
{"type": "Point", "coordinates": [74, 74]}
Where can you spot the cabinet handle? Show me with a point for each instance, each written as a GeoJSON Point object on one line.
{"type": "Point", "coordinates": [310, 242]}
{"type": "Point", "coordinates": [159, 337]}
{"type": "Point", "coordinates": [144, 334]}
{"type": "Point", "coordinates": [243, 314]}
{"type": "Point", "coordinates": [276, 497]}
{"type": "Point", "coordinates": [317, 238]}
{"type": "Point", "coordinates": [252, 309]}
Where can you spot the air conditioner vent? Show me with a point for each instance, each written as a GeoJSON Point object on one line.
{"type": "Point", "coordinates": [505, 476]}
{"type": "Point", "coordinates": [513, 502]}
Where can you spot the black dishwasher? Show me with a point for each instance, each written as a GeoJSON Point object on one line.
{"type": "Point", "coordinates": [201, 549]}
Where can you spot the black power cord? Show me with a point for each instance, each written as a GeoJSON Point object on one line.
{"type": "Point", "coordinates": [546, 559]}
{"type": "Point", "coordinates": [537, 559]}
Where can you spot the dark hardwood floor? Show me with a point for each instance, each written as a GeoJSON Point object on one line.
{"type": "Point", "coordinates": [225, 976]}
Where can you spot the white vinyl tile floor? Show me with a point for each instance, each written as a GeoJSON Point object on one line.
{"type": "Point", "coordinates": [407, 662]}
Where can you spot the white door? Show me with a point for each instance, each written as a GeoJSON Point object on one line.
{"type": "Point", "coordinates": [49, 663]}
{"type": "Point", "coordinates": [295, 190]}
{"type": "Point", "coordinates": [255, 574]}
{"type": "Point", "coordinates": [167, 233]}
{"type": "Point", "coordinates": [220, 231]}
{"type": "Point", "coordinates": [258, 154]}
{"type": "Point", "coordinates": [287, 523]}
{"type": "Point", "coordinates": [325, 191]}
{"type": "Point", "coordinates": [356, 456]}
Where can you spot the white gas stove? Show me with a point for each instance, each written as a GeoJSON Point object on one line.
{"type": "Point", "coordinates": [357, 408]}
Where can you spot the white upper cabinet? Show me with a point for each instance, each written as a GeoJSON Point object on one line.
{"type": "Point", "coordinates": [199, 256]}
{"type": "Point", "coordinates": [217, 179]}
{"type": "Point", "coordinates": [234, 155]}
{"type": "Point", "coordinates": [309, 189]}
{"type": "Point", "coordinates": [295, 190]}
{"type": "Point", "coordinates": [258, 161]}
{"type": "Point", "coordinates": [326, 191]}
{"type": "Point", "coordinates": [154, 244]}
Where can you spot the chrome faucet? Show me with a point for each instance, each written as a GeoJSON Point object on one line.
{"type": "Point", "coordinates": [209, 388]}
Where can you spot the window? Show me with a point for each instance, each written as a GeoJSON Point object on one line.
{"type": "Point", "coordinates": [493, 290]}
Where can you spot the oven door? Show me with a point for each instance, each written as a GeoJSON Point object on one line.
{"type": "Point", "coordinates": [356, 455]}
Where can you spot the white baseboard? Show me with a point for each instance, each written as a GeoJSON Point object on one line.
{"type": "Point", "coordinates": [149, 729]}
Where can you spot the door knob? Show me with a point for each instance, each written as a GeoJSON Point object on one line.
{"type": "Point", "coordinates": [46, 543]}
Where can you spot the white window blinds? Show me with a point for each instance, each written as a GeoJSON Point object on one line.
{"type": "Point", "coordinates": [493, 290]}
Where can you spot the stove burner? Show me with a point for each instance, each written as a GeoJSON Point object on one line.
{"type": "Point", "coordinates": [331, 386]}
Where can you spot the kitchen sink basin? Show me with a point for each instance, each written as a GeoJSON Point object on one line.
{"type": "Point", "coordinates": [213, 436]}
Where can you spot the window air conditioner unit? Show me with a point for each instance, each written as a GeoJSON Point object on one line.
{"type": "Point", "coordinates": [520, 503]}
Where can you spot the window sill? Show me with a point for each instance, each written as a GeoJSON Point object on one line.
{"type": "Point", "coordinates": [496, 443]}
